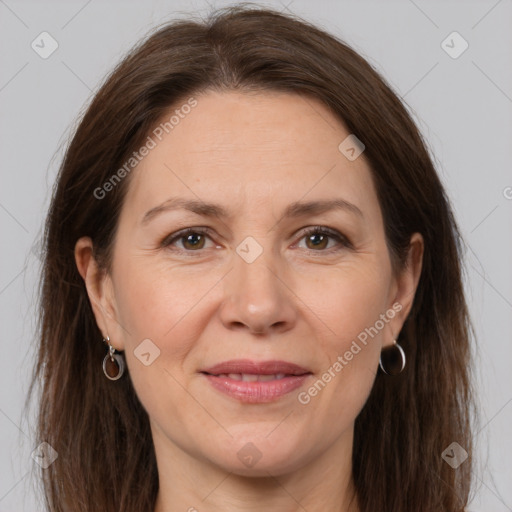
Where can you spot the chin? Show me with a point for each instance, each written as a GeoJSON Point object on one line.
{"type": "Point", "coordinates": [261, 455]}
{"type": "Point", "coordinates": [273, 466]}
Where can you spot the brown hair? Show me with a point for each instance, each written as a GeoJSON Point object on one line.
{"type": "Point", "coordinates": [101, 431]}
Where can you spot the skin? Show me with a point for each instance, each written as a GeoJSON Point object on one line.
{"type": "Point", "coordinates": [301, 300]}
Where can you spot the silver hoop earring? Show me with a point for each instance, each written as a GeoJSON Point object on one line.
{"type": "Point", "coordinates": [392, 359]}
{"type": "Point", "coordinates": [113, 364]}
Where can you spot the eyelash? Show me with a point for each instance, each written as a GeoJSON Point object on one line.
{"type": "Point", "coordinates": [314, 230]}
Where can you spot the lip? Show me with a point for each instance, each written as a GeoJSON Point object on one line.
{"type": "Point", "coordinates": [258, 391]}
{"type": "Point", "coordinates": [256, 367]}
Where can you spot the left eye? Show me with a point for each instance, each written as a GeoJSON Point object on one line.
{"type": "Point", "coordinates": [318, 236]}
{"type": "Point", "coordinates": [193, 239]}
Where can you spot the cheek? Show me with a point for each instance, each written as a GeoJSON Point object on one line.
{"type": "Point", "coordinates": [159, 304]}
{"type": "Point", "coordinates": [171, 306]}
{"type": "Point", "coordinates": [156, 298]}
{"type": "Point", "coordinates": [347, 300]}
{"type": "Point", "coordinates": [349, 304]}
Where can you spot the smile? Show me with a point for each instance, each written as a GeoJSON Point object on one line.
{"type": "Point", "coordinates": [250, 377]}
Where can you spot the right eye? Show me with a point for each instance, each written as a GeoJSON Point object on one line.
{"type": "Point", "coordinates": [193, 237]}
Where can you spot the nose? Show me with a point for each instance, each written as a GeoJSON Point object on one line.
{"type": "Point", "coordinates": [257, 297]}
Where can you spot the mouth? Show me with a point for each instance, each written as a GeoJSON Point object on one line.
{"type": "Point", "coordinates": [246, 367]}
{"type": "Point", "coordinates": [251, 377]}
{"type": "Point", "coordinates": [256, 382]}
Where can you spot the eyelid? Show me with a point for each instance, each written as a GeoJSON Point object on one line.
{"type": "Point", "coordinates": [182, 233]}
{"type": "Point", "coordinates": [333, 233]}
{"type": "Point", "coordinates": [343, 240]}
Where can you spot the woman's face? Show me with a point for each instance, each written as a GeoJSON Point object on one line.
{"type": "Point", "coordinates": [252, 283]}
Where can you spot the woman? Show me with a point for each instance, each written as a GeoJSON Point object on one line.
{"type": "Point", "coordinates": [252, 294]}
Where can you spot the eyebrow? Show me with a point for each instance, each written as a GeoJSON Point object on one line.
{"type": "Point", "coordinates": [205, 209]}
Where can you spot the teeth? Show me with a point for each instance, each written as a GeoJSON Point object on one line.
{"type": "Point", "coordinates": [265, 378]}
{"type": "Point", "coordinates": [249, 377]}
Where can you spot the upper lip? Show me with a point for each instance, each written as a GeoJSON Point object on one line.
{"type": "Point", "coordinates": [246, 366]}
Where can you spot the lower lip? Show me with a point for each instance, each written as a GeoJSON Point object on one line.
{"type": "Point", "coordinates": [256, 392]}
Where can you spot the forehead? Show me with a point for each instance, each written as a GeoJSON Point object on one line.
{"type": "Point", "coordinates": [249, 148]}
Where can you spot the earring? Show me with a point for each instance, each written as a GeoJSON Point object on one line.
{"type": "Point", "coordinates": [392, 359]}
{"type": "Point", "coordinates": [113, 364]}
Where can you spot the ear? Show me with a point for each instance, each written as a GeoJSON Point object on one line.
{"type": "Point", "coordinates": [100, 291]}
{"type": "Point", "coordinates": [405, 285]}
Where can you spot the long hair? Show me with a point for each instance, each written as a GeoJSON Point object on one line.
{"type": "Point", "coordinates": [101, 431]}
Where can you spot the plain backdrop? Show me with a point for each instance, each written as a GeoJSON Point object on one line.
{"type": "Point", "coordinates": [462, 105]}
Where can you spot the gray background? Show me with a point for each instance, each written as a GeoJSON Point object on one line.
{"type": "Point", "coordinates": [463, 107]}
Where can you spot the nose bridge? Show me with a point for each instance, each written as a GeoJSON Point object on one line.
{"type": "Point", "coordinates": [255, 271]}
{"type": "Point", "coordinates": [256, 295]}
